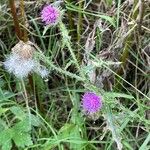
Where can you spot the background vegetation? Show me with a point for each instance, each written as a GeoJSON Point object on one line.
{"type": "Point", "coordinates": [101, 46]}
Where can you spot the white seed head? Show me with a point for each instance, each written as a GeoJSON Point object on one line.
{"type": "Point", "coordinates": [21, 62]}
{"type": "Point", "coordinates": [18, 66]}
{"type": "Point", "coordinates": [41, 70]}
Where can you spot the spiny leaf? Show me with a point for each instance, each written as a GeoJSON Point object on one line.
{"type": "Point", "coordinates": [114, 128]}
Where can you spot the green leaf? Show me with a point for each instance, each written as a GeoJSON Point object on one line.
{"type": "Point", "coordinates": [21, 133]}
{"type": "Point", "coordinates": [114, 95]}
{"type": "Point", "coordinates": [18, 112]}
{"type": "Point", "coordinates": [3, 125]}
{"type": "Point", "coordinates": [75, 135]}
{"type": "Point", "coordinates": [7, 145]}
{"type": "Point", "coordinates": [114, 128]}
{"type": "Point", "coordinates": [35, 121]}
{"type": "Point", "coordinates": [5, 139]}
{"type": "Point", "coordinates": [23, 126]}
{"type": "Point", "coordinates": [5, 135]}
{"type": "Point", "coordinates": [22, 139]}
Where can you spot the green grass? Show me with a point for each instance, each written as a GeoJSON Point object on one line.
{"type": "Point", "coordinates": [47, 114]}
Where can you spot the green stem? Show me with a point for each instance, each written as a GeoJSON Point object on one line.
{"type": "Point", "coordinates": [26, 100]}
{"type": "Point", "coordinates": [67, 42]}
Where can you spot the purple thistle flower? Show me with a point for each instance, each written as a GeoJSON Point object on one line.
{"type": "Point", "coordinates": [50, 15]}
{"type": "Point", "coordinates": [91, 102]}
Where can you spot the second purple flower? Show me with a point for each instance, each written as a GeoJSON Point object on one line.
{"type": "Point", "coordinates": [91, 102]}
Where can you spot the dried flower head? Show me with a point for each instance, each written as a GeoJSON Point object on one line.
{"type": "Point", "coordinates": [24, 50]}
{"type": "Point", "coordinates": [21, 62]}
{"type": "Point", "coordinates": [91, 103]}
{"type": "Point", "coordinates": [50, 14]}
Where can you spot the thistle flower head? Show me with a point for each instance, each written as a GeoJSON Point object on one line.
{"type": "Point", "coordinates": [50, 14]}
{"type": "Point", "coordinates": [91, 102]}
{"type": "Point", "coordinates": [21, 62]}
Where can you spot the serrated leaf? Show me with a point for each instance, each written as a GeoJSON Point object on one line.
{"type": "Point", "coordinates": [18, 112]}
{"type": "Point", "coordinates": [7, 145]}
{"type": "Point", "coordinates": [22, 139]}
{"type": "Point", "coordinates": [21, 132]}
{"type": "Point", "coordinates": [5, 139]}
{"type": "Point", "coordinates": [5, 135]}
{"type": "Point", "coordinates": [35, 121]}
{"type": "Point", "coordinates": [22, 126]}
{"type": "Point", "coordinates": [114, 128]}
{"type": "Point", "coordinates": [3, 125]}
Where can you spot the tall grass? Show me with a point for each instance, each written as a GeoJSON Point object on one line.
{"type": "Point", "coordinates": [114, 64]}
